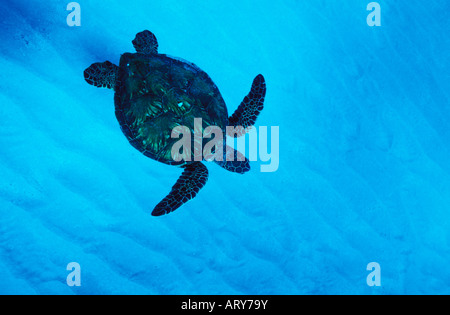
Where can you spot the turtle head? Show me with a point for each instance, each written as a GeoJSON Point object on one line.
{"type": "Point", "coordinates": [102, 74]}
{"type": "Point", "coordinates": [146, 43]}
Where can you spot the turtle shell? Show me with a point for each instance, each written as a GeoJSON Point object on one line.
{"type": "Point", "coordinates": [156, 93]}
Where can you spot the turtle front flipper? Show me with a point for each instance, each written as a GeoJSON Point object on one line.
{"type": "Point", "coordinates": [194, 177]}
{"type": "Point", "coordinates": [146, 43]}
{"type": "Point", "coordinates": [247, 113]}
{"type": "Point", "coordinates": [102, 75]}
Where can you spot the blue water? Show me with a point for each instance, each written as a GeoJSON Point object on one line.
{"type": "Point", "coordinates": [364, 171]}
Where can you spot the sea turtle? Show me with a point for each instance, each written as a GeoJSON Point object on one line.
{"type": "Point", "coordinates": [155, 93]}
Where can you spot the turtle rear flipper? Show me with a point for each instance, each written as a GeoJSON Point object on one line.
{"type": "Point", "coordinates": [247, 113]}
{"type": "Point", "coordinates": [234, 161]}
{"type": "Point", "coordinates": [194, 177]}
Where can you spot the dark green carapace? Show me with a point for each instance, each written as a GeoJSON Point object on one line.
{"type": "Point", "coordinates": [159, 93]}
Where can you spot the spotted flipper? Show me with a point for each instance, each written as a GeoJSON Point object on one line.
{"type": "Point", "coordinates": [247, 113]}
{"type": "Point", "coordinates": [102, 75]}
{"type": "Point", "coordinates": [187, 186]}
{"type": "Point", "coordinates": [234, 161]}
{"type": "Point", "coordinates": [146, 43]}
